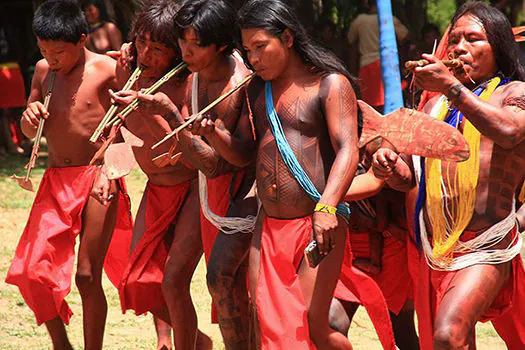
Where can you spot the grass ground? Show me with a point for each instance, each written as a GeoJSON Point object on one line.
{"type": "Point", "coordinates": [19, 330]}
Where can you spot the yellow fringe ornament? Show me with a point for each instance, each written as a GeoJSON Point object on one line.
{"type": "Point", "coordinates": [461, 188]}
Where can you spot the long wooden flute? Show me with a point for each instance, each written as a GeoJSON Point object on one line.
{"type": "Point", "coordinates": [114, 107]}
{"type": "Point", "coordinates": [149, 91]}
{"type": "Point", "coordinates": [192, 118]}
{"type": "Point", "coordinates": [454, 63]}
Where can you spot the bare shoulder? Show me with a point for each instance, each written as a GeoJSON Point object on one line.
{"type": "Point", "coordinates": [103, 64]}
{"type": "Point", "coordinates": [514, 88]}
{"type": "Point", "coordinates": [241, 71]}
{"type": "Point", "coordinates": [335, 83]}
{"type": "Point", "coordinates": [111, 27]}
{"type": "Point", "coordinates": [41, 69]}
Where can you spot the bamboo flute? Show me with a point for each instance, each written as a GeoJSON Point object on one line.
{"type": "Point", "coordinates": [192, 118]}
{"type": "Point", "coordinates": [454, 63]}
{"type": "Point", "coordinates": [114, 107]}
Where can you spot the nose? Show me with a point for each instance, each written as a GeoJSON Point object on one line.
{"type": "Point", "coordinates": [461, 47]}
{"type": "Point", "coordinates": [146, 57]}
{"type": "Point", "coordinates": [253, 58]}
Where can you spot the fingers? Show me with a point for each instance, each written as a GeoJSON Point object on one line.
{"type": "Point", "coordinates": [319, 238]}
{"type": "Point", "coordinates": [430, 58]}
{"type": "Point", "coordinates": [123, 97]}
{"type": "Point", "coordinates": [113, 54]}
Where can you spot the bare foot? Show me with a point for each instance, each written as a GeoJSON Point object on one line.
{"type": "Point", "coordinates": [203, 341]}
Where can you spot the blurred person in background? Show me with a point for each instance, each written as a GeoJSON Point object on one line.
{"type": "Point", "coordinates": [103, 34]}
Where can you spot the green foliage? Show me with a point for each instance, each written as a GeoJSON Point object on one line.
{"type": "Point", "coordinates": [440, 12]}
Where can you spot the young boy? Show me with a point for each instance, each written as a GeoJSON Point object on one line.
{"type": "Point", "coordinates": [63, 208]}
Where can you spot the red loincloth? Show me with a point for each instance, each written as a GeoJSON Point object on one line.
{"type": "Point", "coordinates": [221, 191]}
{"type": "Point", "coordinates": [141, 287]}
{"type": "Point", "coordinates": [12, 90]}
{"type": "Point", "coordinates": [506, 312]}
{"type": "Point", "coordinates": [357, 287]}
{"type": "Point", "coordinates": [43, 263]}
{"type": "Point", "coordinates": [394, 279]}
{"type": "Point", "coordinates": [371, 84]}
{"type": "Point", "coordinates": [280, 303]}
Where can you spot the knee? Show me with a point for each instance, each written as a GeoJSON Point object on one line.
{"type": "Point", "coordinates": [84, 281]}
{"type": "Point", "coordinates": [219, 281]}
{"type": "Point", "coordinates": [450, 337]}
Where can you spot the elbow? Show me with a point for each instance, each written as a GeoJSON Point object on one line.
{"type": "Point", "coordinates": [510, 138]}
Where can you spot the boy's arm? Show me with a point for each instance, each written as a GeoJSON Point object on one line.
{"type": "Point", "coordinates": [35, 109]}
{"type": "Point", "coordinates": [364, 186]}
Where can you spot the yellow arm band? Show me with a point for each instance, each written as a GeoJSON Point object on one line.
{"type": "Point", "coordinates": [324, 208]}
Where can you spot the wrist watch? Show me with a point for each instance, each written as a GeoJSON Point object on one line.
{"type": "Point", "coordinates": [454, 92]}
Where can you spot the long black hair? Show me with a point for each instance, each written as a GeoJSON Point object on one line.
{"type": "Point", "coordinates": [275, 17]}
{"type": "Point", "coordinates": [99, 4]}
{"type": "Point", "coordinates": [499, 35]}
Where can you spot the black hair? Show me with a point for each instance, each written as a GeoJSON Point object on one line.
{"type": "Point", "coordinates": [60, 20]}
{"type": "Point", "coordinates": [214, 21]}
{"type": "Point", "coordinates": [499, 35]}
{"type": "Point", "coordinates": [275, 17]}
{"type": "Point", "coordinates": [156, 18]}
{"type": "Point", "coordinates": [99, 4]}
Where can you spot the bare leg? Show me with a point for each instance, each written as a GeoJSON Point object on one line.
{"type": "Point", "coordinates": [226, 277]}
{"type": "Point", "coordinates": [58, 334]}
{"type": "Point", "coordinates": [163, 330]}
{"type": "Point", "coordinates": [470, 294]}
{"type": "Point", "coordinates": [184, 255]}
{"type": "Point", "coordinates": [404, 328]}
{"type": "Point", "coordinates": [318, 288]}
{"type": "Point", "coordinates": [98, 224]}
{"type": "Point", "coordinates": [254, 264]}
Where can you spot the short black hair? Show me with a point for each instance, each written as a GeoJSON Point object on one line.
{"type": "Point", "coordinates": [60, 20]}
{"type": "Point", "coordinates": [214, 21]}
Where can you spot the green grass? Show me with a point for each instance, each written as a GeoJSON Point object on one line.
{"type": "Point", "coordinates": [18, 328]}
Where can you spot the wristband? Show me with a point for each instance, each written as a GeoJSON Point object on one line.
{"type": "Point", "coordinates": [324, 208]}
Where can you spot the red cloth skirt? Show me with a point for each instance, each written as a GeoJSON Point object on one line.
{"type": "Point", "coordinates": [394, 279]}
{"type": "Point", "coordinates": [43, 263]}
{"type": "Point", "coordinates": [12, 90]}
{"type": "Point", "coordinates": [505, 313]}
{"type": "Point", "coordinates": [280, 303]}
{"type": "Point", "coordinates": [141, 286]}
{"type": "Point", "coordinates": [371, 84]}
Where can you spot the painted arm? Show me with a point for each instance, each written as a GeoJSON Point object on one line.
{"type": "Point", "coordinates": [340, 109]}
{"type": "Point", "coordinates": [504, 124]}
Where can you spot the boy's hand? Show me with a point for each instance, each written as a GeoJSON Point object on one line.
{"type": "Point", "coordinates": [101, 189]}
{"type": "Point", "coordinates": [33, 113]}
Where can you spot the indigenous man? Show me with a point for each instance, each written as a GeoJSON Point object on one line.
{"type": "Point", "coordinates": [467, 227]}
{"type": "Point", "coordinates": [208, 33]}
{"type": "Point", "coordinates": [169, 208]}
{"type": "Point", "coordinates": [63, 208]}
{"type": "Point", "coordinates": [316, 106]}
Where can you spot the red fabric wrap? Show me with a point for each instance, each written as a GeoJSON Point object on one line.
{"type": "Point", "coordinates": [43, 263]}
{"type": "Point", "coordinates": [357, 287]}
{"type": "Point", "coordinates": [141, 287]}
{"type": "Point", "coordinates": [221, 191]}
{"type": "Point", "coordinates": [280, 303]}
{"type": "Point", "coordinates": [506, 312]}
{"type": "Point", "coordinates": [371, 84]}
{"type": "Point", "coordinates": [12, 89]}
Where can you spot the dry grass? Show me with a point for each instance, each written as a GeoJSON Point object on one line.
{"type": "Point", "coordinates": [18, 328]}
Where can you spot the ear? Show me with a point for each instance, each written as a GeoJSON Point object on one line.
{"type": "Point", "coordinates": [83, 39]}
{"type": "Point", "coordinates": [287, 38]}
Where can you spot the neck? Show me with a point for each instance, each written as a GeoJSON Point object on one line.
{"type": "Point", "coordinates": [293, 69]}
{"type": "Point", "coordinates": [218, 69]}
{"type": "Point", "coordinates": [80, 62]}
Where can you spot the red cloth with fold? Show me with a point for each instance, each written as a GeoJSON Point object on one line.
{"type": "Point", "coordinates": [43, 263]}
{"type": "Point", "coordinates": [371, 84]}
{"type": "Point", "coordinates": [280, 303]}
{"type": "Point", "coordinates": [505, 313]}
{"type": "Point", "coordinates": [394, 279]}
{"type": "Point", "coordinates": [357, 287]}
{"type": "Point", "coordinates": [141, 286]}
{"type": "Point", "coordinates": [12, 89]}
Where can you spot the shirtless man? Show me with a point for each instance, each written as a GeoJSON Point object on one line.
{"type": "Point", "coordinates": [169, 209]}
{"type": "Point", "coordinates": [63, 208]}
{"type": "Point", "coordinates": [317, 108]}
{"type": "Point", "coordinates": [464, 288]}
{"type": "Point", "coordinates": [208, 33]}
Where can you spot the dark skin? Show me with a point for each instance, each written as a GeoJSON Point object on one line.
{"type": "Point", "coordinates": [149, 125]}
{"type": "Point", "coordinates": [79, 101]}
{"type": "Point", "coordinates": [218, 73]}
{"type": "Point", "coordinates": [318, 116]}
{"type": "Point", "coordinates": [502, 125]}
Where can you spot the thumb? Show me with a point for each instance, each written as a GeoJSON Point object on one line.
{"type": "Point", "coordinates": [430, 58]}
{"type": "Point", "coordinates": [113, 54]}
